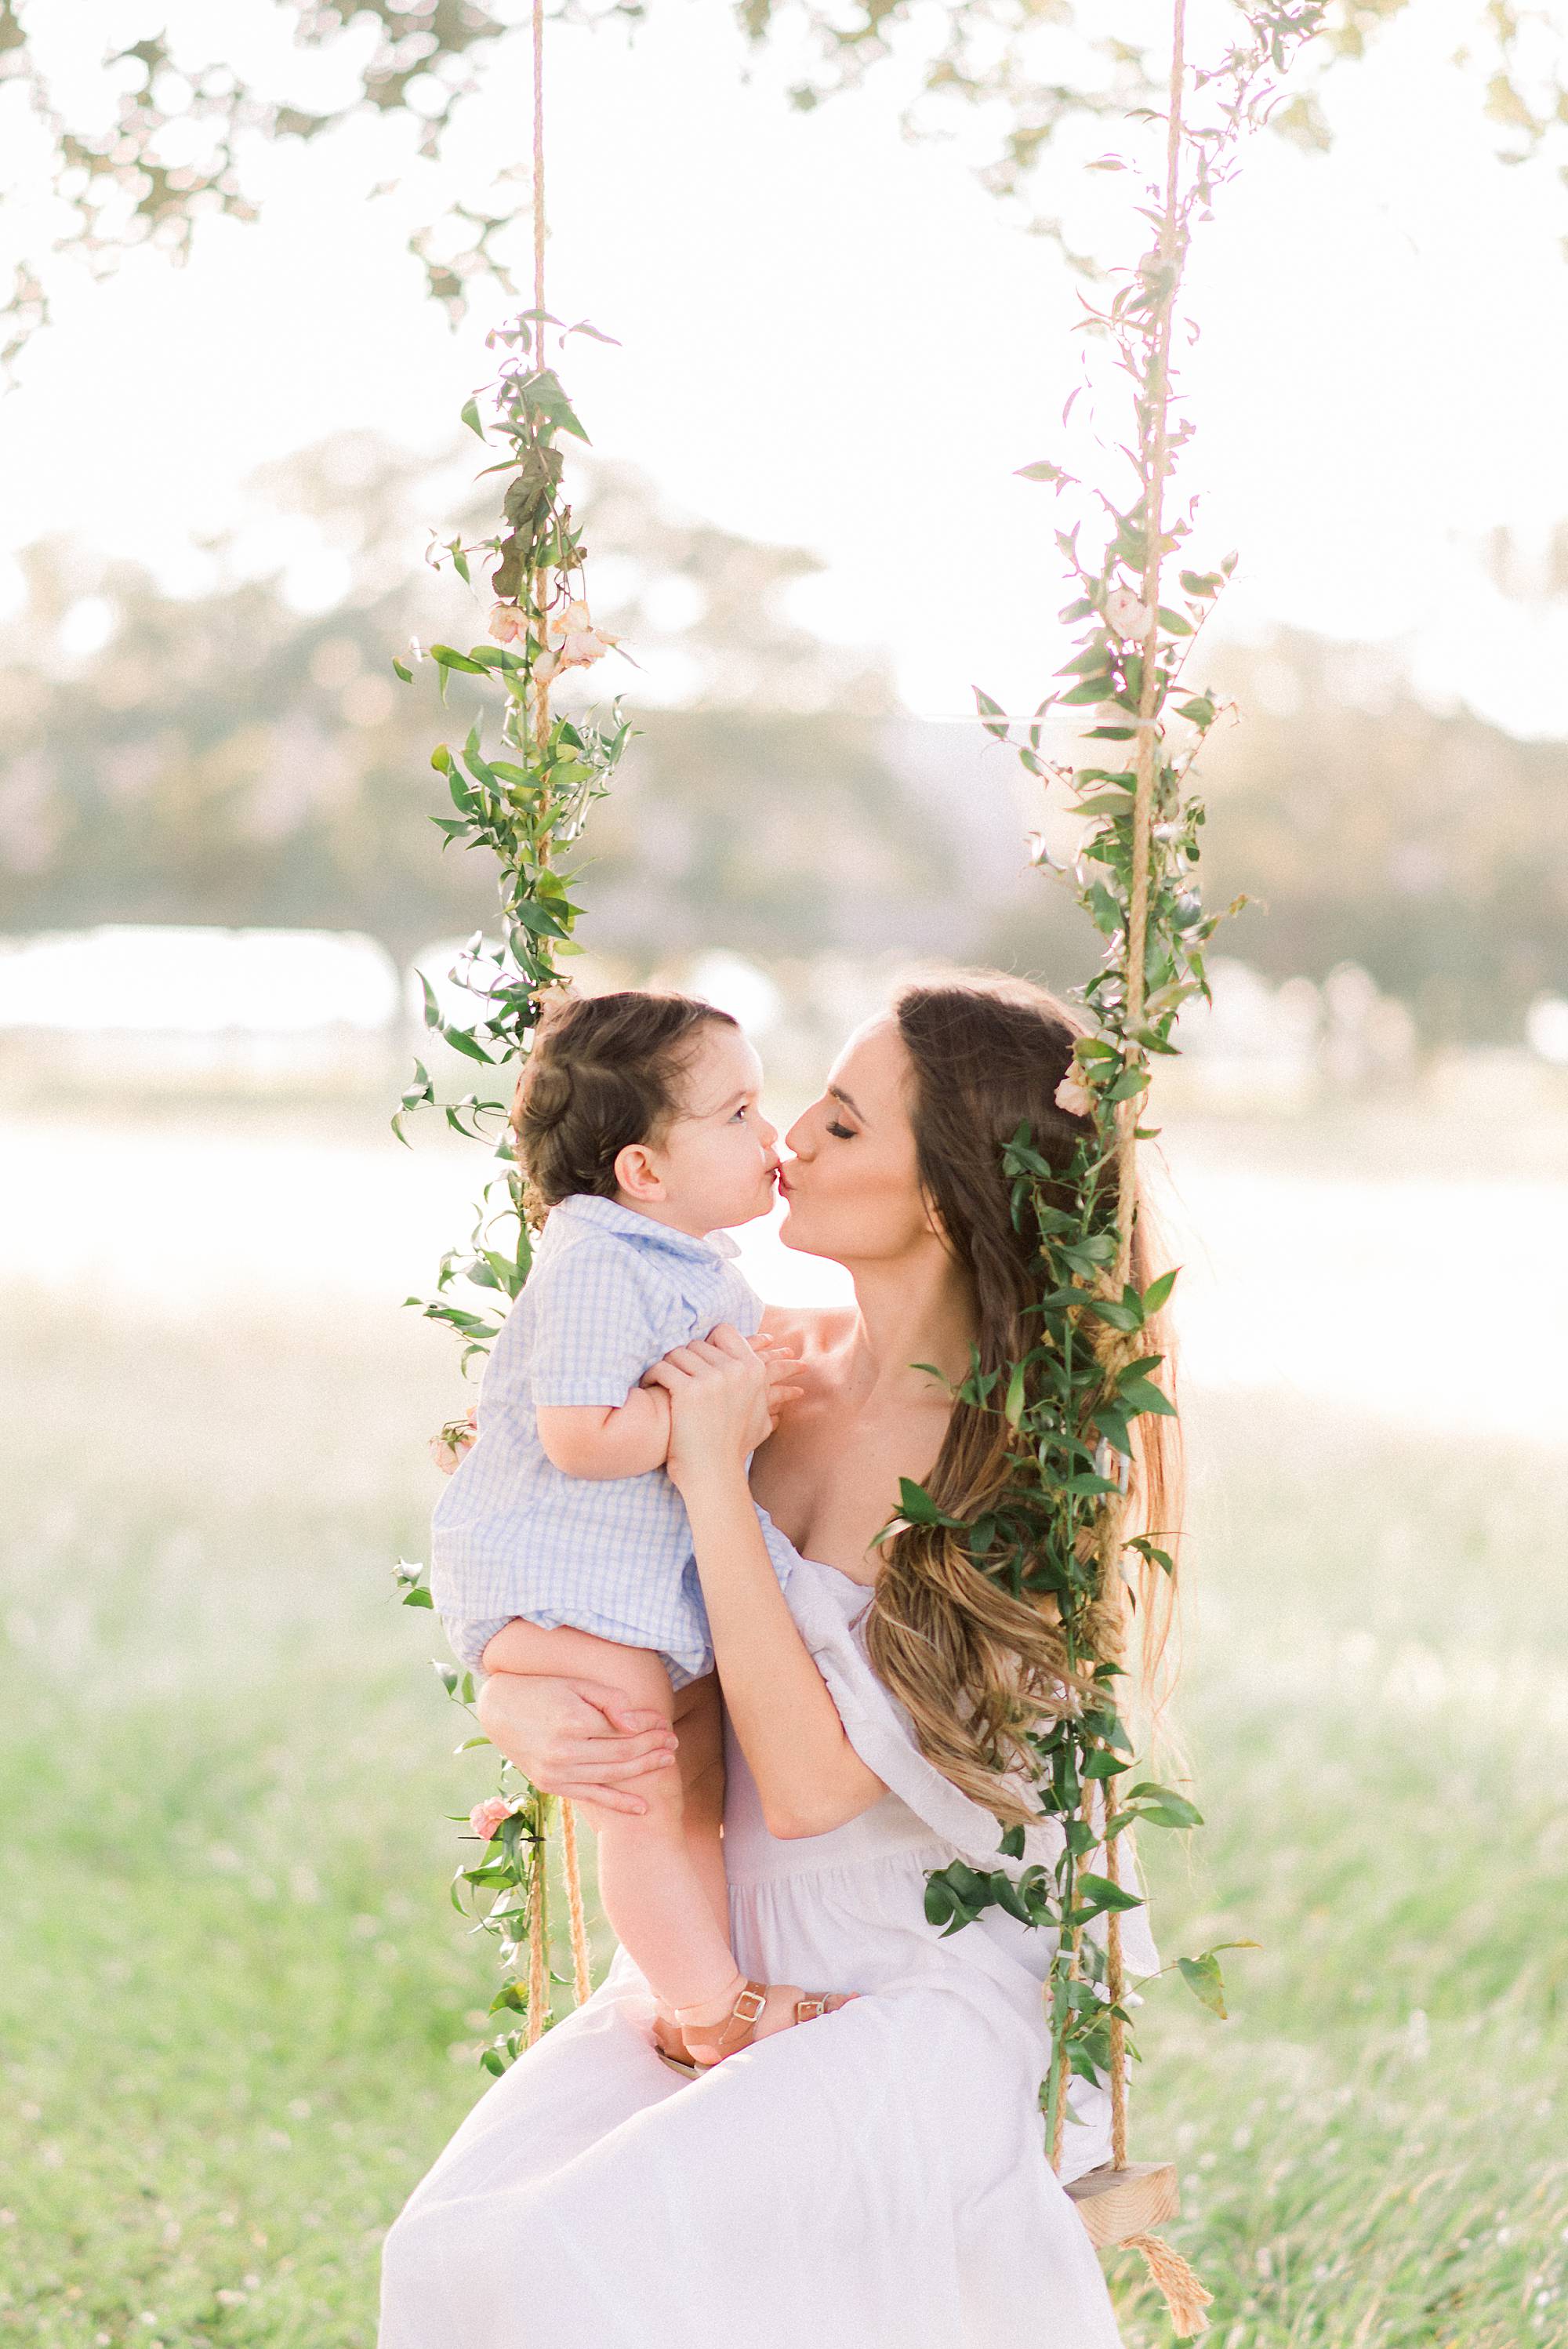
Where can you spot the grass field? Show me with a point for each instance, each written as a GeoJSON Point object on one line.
{"type": "Point", "coordinates": [238, 2019]}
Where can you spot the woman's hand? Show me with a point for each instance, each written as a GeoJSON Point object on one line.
{"type": "Point", "coordinates": [576, 1738]}
{"type": "Point", "coordinates": [723, 1402]}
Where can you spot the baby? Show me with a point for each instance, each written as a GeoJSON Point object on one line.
{"type": "Point", "coordinates": [561, 1547]}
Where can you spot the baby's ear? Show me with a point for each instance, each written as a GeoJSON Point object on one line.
{"type": "Point", "coordinates": [637, 1175]}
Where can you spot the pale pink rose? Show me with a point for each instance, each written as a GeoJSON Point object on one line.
{"type": "Point", "coordinates": [1127, 616]}
{"type": "Point", "coordinates": [506, 623]}
{"type": "Point", "coordinates": [447, 1448]}
{"type": "Point", "coordinates": [485, 1818]}
{"type": "Point", "coordinates": [574, 640]}
{"type": "Point", "coordinates": [544, 667]}
{"type": "Point", "coordinates": [1074, 1096]}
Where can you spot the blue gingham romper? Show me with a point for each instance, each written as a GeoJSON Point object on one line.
{"type": "Point", "coordinates": [611, 1292]}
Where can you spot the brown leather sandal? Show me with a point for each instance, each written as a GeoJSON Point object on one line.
{"type": "Point", "coordinates": [740, 2030]}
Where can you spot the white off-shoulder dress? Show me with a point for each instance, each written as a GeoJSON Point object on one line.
{"type": "Point", "coordinates": [875, 2179]}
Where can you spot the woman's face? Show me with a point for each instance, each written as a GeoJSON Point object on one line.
{"type": "Point", "coordinates": [851, 1190]}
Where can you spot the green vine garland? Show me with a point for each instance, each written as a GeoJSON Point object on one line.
{"type": "Point", "coordinates": [522, 805]}
{"type": "Point", "coordinates": [1072, 1400]}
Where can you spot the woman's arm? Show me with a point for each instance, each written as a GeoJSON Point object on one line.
{"type": "Point", "coordinates": [809, 1776]}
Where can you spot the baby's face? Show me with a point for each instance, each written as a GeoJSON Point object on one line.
{"type": "Point", "coordinates": [717, 1159]}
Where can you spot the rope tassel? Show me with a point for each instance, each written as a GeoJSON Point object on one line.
{"type": "Point", "coordinates": [1187, 2299]}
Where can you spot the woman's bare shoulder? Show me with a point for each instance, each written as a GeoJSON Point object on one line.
{"type": "Point", "coordinates": [821, 1328]}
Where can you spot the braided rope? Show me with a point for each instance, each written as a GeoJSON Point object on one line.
{"type": "Point", "coordinates": [581, 1964]}
{"type": "Point", "coordinates": [571, 1867]}
{"type": "Point", "coordinates": [1111, 1588]}
{"type": "Point", "coordinates": [541, 688]}
{"type": "Point", "coordinates": [538, 1941]}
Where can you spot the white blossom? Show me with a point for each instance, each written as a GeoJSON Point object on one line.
{"type": "Point", "coordinates": [1127, 616]}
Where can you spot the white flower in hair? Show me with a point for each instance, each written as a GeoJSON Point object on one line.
{"type": "Point", "coordinates": [1128, 616]}
{"type": "Point", "coordinates": [1073, 1095]}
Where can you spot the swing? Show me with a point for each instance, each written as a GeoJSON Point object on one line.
{"type": "Point", "coordinates": [1122, 2201]}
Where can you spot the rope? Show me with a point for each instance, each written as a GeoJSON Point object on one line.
{"type": "Point", "coordinates": [581, 1967]}
{"type": "Point", "coordinates": [538, 1942]}
{"type": "Point", "coordinates": [542, 688]}
{"type": "Point", "coordinates": [571, 1867]}
{"type": "Point", "coordinates": [1127, 1111]}
{"type": "Point", "coordinates": [1185, 2296]}
{"type": "Point", "coordinates": [1086, 1812]}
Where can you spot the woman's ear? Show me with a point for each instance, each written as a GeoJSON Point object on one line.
{"type": "Point", "coordinates": [637, 1173]}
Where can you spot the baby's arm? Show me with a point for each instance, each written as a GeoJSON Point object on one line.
{"type": "Point", "coordinates": [627, 1439]}
{"type": "Point", "coordinates": [596, 1439]}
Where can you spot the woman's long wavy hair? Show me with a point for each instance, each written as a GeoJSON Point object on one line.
{"type": "Point", "coordinates": [975, 1667]}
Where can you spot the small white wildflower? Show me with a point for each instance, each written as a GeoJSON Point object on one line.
{"type": "Point", "coordinates": [1128, 616]}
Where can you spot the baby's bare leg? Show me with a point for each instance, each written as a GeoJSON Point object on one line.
{"type": "Point", "coordinates": [665, 1905]}
{"type": "Point", "coordinates": [699, 1721]}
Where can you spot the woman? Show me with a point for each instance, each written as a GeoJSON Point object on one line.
{"type": "Point", "coordinates": [876, 2179]}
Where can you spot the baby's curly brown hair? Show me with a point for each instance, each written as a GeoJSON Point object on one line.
{"type": "Point", "coordinates": [605, 1071]}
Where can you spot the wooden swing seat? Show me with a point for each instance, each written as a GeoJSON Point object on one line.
{"type": "Point", "coordinates": [1115, 2204]}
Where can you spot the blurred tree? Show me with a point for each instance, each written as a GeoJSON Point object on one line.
{"type": "Point", "coordinates": [227, 758]}
{"type": "Point", "coordinates": [164, 134]}
{"type": "Point", "coordinates": [1430, 847]}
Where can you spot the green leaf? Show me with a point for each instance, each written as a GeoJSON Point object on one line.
{"type": "Point", "coordinates": [1141, 1395]}
{"type": "Point", "coordinates": [916, 1505]}
{"type": "Point", "coordinates": [1013, 1408]}
{"type": "Point", "coordinates": [1186, 1814]}
{"type": "Point", "coordinates": [1174, 1813]}
{"type": "Point", "coordinates": [406, 674]}
{"type": "Point", "coordinates": [1206, 1983]}
{"type": "Point", "coordinates": [538, 918]}
{"type": "Point", "coordinates": [462, 1041]}
{"type": "Point", "coordinates": [992, 714]}
{"type": "Point", "coordinates": [470, 412]}
{"type": "Point", "coordinates": [448, 658]}
{"type": "Point", "coordinates": [1042, 470]}
{"type": "Point", "coordinates": [1101, 1894]}
{"type": "Point", "coordinates": [1158, 1291]}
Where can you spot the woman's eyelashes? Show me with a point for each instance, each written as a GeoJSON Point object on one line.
{"type": "Point", "coordinates": [840, 1132]}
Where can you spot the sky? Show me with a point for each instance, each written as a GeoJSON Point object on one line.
{"type": "Point", "coordinates": [830, 336]}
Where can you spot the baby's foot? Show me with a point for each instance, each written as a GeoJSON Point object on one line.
{"type": "Point", "coordinates": [757, 2010]}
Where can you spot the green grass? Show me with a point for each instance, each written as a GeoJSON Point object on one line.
{"type": "Point", "coordinates": [238, 2019]}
